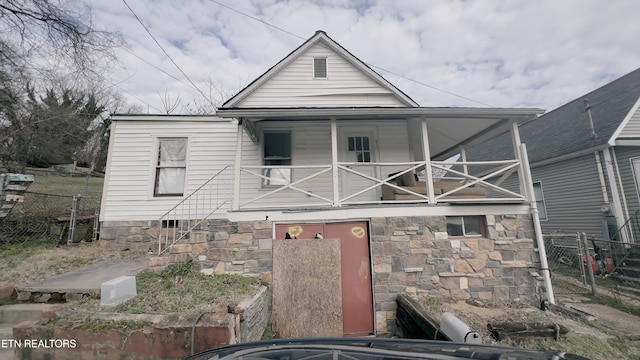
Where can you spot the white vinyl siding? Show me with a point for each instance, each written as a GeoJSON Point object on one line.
{"type": "Point", "coordinates": [312, 146]}
{"type": "Point", "coordinates": [130, 173]}
{"type": "Point", "coordinates": [345, 85]}
{"type": "Point", "coordinates": [632, 128]}
{"type": "Point", "coordinates": [572, 195]}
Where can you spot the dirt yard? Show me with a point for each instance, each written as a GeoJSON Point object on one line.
{"type": "Point", "coordinates": [597, 339]}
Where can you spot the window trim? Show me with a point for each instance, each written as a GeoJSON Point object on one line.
{"type": "Point", "coordinates": [483, 226]}
{"type": "Point", "coordinates": [636, 176]}
{"type": "Point", "coordinates": [326, 67]}
{"type": "Point", "coordinates": [262, 159]}
{"type": "Point", "coordinates": [541, 201]}
{"type": "Point", "coordinates": [156, 166]}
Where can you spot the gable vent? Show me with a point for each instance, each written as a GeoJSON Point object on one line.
{"type": "Point", "coordinates": [320, 68]}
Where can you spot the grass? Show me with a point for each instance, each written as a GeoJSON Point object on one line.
{"type": "Point", "coordinates": [48, 197]}
{"type": "Point", "coordinates": [591, 347]}
{"type": "Point", "coordinates": [616, 304]}
{"type": "Point", "coordinates": [48, 183]}
{"type": "Point", "coordinates": [180, 289]}
{"type": "Point", "coordinates": [25, 263]}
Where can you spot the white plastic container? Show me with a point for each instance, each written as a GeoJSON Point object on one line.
{"type": "Point", "coordinates": [118, 290]}
{"type": "Point", "coordinates": [457, 330]}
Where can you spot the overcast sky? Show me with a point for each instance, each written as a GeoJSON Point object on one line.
{"type": "Point", "coordinates": [516, 53]}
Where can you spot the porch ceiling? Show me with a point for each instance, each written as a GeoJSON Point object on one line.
{"type": "Point", "coordinates": [448, 127]}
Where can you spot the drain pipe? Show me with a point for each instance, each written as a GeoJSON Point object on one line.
{"type": "Point", "coordinates": [544, 265]}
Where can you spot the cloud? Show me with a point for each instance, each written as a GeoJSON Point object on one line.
{"type": "Point", "coordinates": [503, 53]}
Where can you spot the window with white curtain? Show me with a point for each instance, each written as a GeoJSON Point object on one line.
{"type": "Point", "coordinates": [276, 152]}
{"type": "Point", "coordinates": [171, 167]}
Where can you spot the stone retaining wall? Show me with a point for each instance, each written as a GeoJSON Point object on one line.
{"type": "Point", "coordinates": [409, 255]}
{"type": "Point", "coordinates": [416, 255]}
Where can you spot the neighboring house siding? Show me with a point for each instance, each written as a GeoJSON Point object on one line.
{"type": "Point", "coordinates": [632, 129]}
{"type": "Point", "coordinates": [312, 146]}
{"type": "Point", "coordinates": [345, 85]}
{"type": "Point", "coordinates": [131, 170]}
{"type": "Point", "coordinates": [624, 154]}
{"type": "Point", "coordinates": [572, 195]}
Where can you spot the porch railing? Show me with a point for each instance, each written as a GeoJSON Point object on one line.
{"type": "Point", "coordinates": [444, 171]}
{"type": "Point", "coordinates": [295, 185]}
{"type": "Point", "coordinates": [195, 209]}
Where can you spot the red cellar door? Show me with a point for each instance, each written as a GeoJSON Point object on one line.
{"type": "Point", "coordinates": [357, 297]}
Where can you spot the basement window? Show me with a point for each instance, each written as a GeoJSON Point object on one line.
{"type": "Point", "coordinates": [171, 167]}
{"type": "Point", "coordinates": [320, 68]}
{"type": "Point", "coordinates": [465, 226]}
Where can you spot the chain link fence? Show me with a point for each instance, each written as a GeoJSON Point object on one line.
{"type": "Point", "coordinates": [60, 206]}
{"type": "Point", "coordinates": [565, 255]}
{"type": "Point", "coordinates": [586, 265]}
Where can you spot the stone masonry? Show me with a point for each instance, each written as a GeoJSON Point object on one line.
{"type": "Point", "coordinates": [411, 255]}
{"type": "Point", "coordinates": [416, 255]}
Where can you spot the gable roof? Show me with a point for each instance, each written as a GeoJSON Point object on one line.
{"type": "Point", "coordinates": [565, 130]}
{"type": "Point", "coordinates": [320, 37]}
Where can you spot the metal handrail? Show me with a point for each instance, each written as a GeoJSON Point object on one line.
{"type": "Point", "coordinates": [186, 205]}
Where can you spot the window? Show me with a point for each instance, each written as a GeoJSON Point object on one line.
{"type": "Point", "coordinates": [465, 225]}
{"type": "Point", "coordinates": [171, 167]}
{"type": "Point", "coordinates": [320, 68]}
{"type": "Point", "coordinates": [276, 152]}
{"type": "Point", "coordinates": [539, 195]}
{"type": "Point", "coordinates": [360, 144]}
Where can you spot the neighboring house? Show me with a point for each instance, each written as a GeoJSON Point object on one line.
{"type": "Point", "coordinates": [585, 161]}
{"type": "Point", "coordinates": [321, 143]}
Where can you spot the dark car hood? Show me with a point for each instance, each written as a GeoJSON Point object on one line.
{"type": "Point", "coordinates": [372, 349]}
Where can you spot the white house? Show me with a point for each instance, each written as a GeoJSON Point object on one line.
{"type": "Point", "coordinates": [320, 143]}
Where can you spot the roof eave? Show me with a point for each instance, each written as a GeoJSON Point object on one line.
{"type": "Point", "coordinates": [519, 115]}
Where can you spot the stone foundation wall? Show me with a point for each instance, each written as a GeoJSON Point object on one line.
{"type": "Point", "coordinates": [415, 255]}
{"type": "Point", "coordinates": [221, 247]}
{"type": "Point", "coordinates": [411, 255]}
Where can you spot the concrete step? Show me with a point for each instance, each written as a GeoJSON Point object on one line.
{"type": "Point", "coordinates": [17, 313]}
{"type": "Point", "coordinates": [630, 271]}
{"type": "Point", "coordinates": [7, 354]}
{"type": "Point", "coordinates": [6, 333]}
{"type": "Point", "coordinates": [628, 281]}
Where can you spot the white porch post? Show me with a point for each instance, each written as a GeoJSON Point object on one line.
{"type": "Point", "coordinates": [544, 265]}
{"type": "Point", "coordinates": [515, 138]}
{"type": "Point", "coordinates": [427, 161]}
{"type": "Point", "coordinates": [463, 157]}
{"type": "Point", "coordinates": [334, 162]}
{"type": "Point", "coordinates": [235, 202]}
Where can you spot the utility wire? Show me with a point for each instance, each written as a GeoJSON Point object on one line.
{"type": "Point", "coordinates": [167, 54]}
{"type": "Point", "coordinates": [370, 65]}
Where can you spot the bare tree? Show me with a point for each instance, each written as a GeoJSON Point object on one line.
{"type": "Point", "coordinates": [51, 32]}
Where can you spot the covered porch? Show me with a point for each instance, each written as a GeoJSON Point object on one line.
{"type": "Point", "coordinates": [288, 158]}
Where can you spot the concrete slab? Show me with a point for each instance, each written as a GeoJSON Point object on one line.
{"type": "Point", "coordinates": [88, 279]}
{"type": "Point", "coordinates": [16, 313]}
{"type": "Point", "coordinates": [626, 324]}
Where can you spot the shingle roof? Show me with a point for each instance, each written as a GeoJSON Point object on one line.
{"type": "Point", "coordinates": [566, 130]}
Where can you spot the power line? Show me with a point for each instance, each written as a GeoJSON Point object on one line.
{"type": "Point", "coordinates": [370, 65]}
{"type": "Point", "coordinates": [167, 54]}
